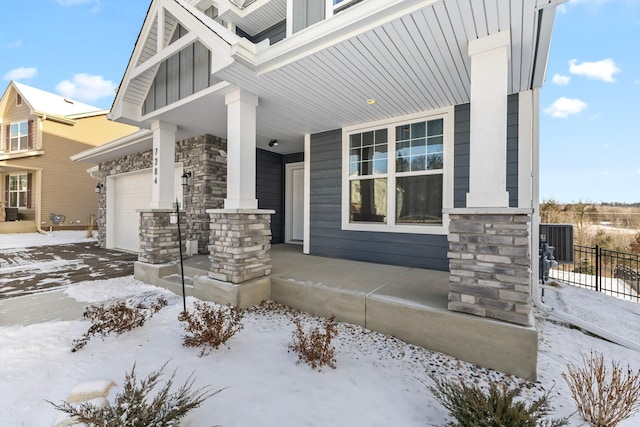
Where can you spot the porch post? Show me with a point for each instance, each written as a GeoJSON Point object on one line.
{"type": "Point", "coordinates": [158, 236]}
{"type": "Point", "coordinates": [241, 150]}
{"type": "Point", "coordinates": [489, 242]}
{"type": "Point", "coordinates": [488, 139]}
{"type": "Point", "coordinates": [164, 158]}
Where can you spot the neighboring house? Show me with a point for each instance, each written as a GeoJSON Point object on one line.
{"type": "Point", "coordinates": [391, 131]}
{"type": "Point", "coordinates": [41, 188]}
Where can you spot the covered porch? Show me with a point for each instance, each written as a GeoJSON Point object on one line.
{"type": "Point", "coordinates": [407, 303]}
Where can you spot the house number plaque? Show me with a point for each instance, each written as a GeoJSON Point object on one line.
{"type": "Point", "coordinates": [155, 165]}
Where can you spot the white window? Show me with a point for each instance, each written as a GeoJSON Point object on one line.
{"type": "Point", "coordinates": [397, 175]}
{"type": "Point", "coordinates": [340, 4]}
{"type": "Point", "coordinates": [19, 136]}
{"type": "Point", "coordinates": [18, 191]}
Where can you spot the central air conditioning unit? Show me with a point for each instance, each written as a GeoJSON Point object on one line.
{"type": "Point", "coordinates": [556, 247]}
{"type": "Point", "coordinates": [560, 236]}
{"type": "Point", "coordinates": [56, 219]}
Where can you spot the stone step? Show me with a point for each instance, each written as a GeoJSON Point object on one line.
{"type": "Point", "coordinates": [173, 283]}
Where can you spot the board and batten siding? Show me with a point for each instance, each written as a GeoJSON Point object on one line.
{"type": "Point", "coordinates": [328, 239]}
{"type": "Point", "coordinates": [461, 153]}
{"type": "Point", "coordinates": [270, 187]}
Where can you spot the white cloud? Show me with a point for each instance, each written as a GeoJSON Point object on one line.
{"type": "Point", "coordinates": [600, 70]}
{"type": "Point", "coordinates": [21, 73]}
{"type": "Point", "coordinates": [561, 80]}
{"type": "Point", "coordinates": [86, 88]}
{"type": "Point", "coordinates": [563, 107]}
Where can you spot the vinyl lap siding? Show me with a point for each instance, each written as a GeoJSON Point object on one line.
{"type": "Point", "coordinates": [270, 190]}
{"type": "Point", "coordinates": [462, 124]}
{"type": "Point", "coordinates": [270, 184]}
{"type": "Point", "coordinates": [326, 236]}
{"type": "Point", "coordinates": [512, 150]}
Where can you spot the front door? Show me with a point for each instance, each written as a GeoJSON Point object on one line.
{"type": "Point", "coordinates": [294, 203]}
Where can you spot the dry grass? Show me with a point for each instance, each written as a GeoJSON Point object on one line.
{"type": "Point", "coordinates": [210, 326]}
{"type": "Point", "coordinates": [314, 347]}
{"type": "Point", "coordinates": [117, 319]}
{"type": "Point", "coordinates": [604, 396]}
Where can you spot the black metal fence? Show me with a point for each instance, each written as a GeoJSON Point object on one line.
{"type": "Point", "coordinates": [610, 272]}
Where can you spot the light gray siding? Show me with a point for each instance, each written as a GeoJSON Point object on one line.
{"type": "Point", "coordinates": [326, 236]}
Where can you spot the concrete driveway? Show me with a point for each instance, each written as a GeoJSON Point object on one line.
{"type": "Point", "coordinates": [25, 271]}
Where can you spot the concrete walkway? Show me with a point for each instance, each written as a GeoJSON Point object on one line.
{"type": "Point", "coordinates": [41, 307]}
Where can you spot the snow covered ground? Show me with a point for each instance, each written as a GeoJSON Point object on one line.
{"type": "Point", "coordinates": [379, 381]}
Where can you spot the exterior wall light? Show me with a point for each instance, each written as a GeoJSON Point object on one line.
{"type": "Point", "coordinates": [185, 178]}
{"type": "Point", "coordinates": [99, 187]}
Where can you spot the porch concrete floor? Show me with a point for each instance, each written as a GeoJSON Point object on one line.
{"type": "Point", "coordinates": [408, 303]}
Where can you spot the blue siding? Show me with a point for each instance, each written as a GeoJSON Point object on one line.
{"type": "Point", "coordinates": [270, 180]}
{"type": "Point", "coordinates": [512, 150]}
{"type": "Point", "coordinates": [461, 153]}
{"type": "Point", "coordinates": [462, 123]}
{"type": "Point", "coordinates": [326, 236]}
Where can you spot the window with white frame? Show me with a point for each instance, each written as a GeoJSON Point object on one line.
{"type": "Point", "coordinates": [397, 178]}
{"type": "Point", "coordinates": [18, 191]}
{"type": "Point", "coordinates": [339, 4]}
{"type": "Point", "coordinates": [19, 136]}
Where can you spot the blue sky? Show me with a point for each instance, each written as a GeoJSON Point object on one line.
{"type": "Point", "coordinates": [590, 112]}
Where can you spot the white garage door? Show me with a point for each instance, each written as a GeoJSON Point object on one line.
{"type": "Point", "coordinates": [131, 192]}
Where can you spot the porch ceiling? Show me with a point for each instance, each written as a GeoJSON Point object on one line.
{"type": "Point", "coordinates": [409, 56]}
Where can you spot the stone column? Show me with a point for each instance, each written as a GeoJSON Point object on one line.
{"type": "Point", "coordinates": [490, 263]}
{"type": "Point", "coordinates": [240, 244]}
{"type": "Point", "coordinates": [158, 237]}
{"type": "Point", "coordinates": [3, 214]}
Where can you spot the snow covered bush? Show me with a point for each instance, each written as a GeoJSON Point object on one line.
{"type": "Point", "coordinates": [604, 397]}
{"type": "Point", "coordinates": [210, 326]}
{"type": "Point", "coordinates": [314, 347]}
{"type": "Point", "coordinates": [140, 404]}
{"type": "Point", "coordinates": [117, 318]}
{"type": "Point", "coordinates": [470, 406]}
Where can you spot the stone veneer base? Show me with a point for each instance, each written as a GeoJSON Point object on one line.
{"type": "Point", "coordinates": [240, 244]}
{"type": "Point", "coordinates": [490, 263]}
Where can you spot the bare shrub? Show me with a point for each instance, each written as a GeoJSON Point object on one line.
{"type": "Point", "coordinates": [139, 404]}
{"type": "Point", "coordinates": [117, 318]}
{"type": "Point", "coordinates": [210, 326]}
{"type": "Point", "coordinates": [604, 397]}
{"type": "Point", "coordinates": [314, 347]}
{"type": "Point", "coordinates": [469, 405]}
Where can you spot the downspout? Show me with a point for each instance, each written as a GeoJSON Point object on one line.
{"type": "Point", "coordinates": [535, 244]}
{"type": "Point", "coordinates": [39, 203]}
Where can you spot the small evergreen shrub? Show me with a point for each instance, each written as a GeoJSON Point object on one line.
{"type": "Point", "coordinates": [210, 326]}
{"type": "Point", "coordinates": [604, 397]}
{"type": "Point", "coordinates": [117, 318]}
{"type": "Point", "coordinates": [314, 347]}
{"type": "Point", "coordinates": [140, 404]}
{"type": "Point", "coordinates": [470, 406]}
